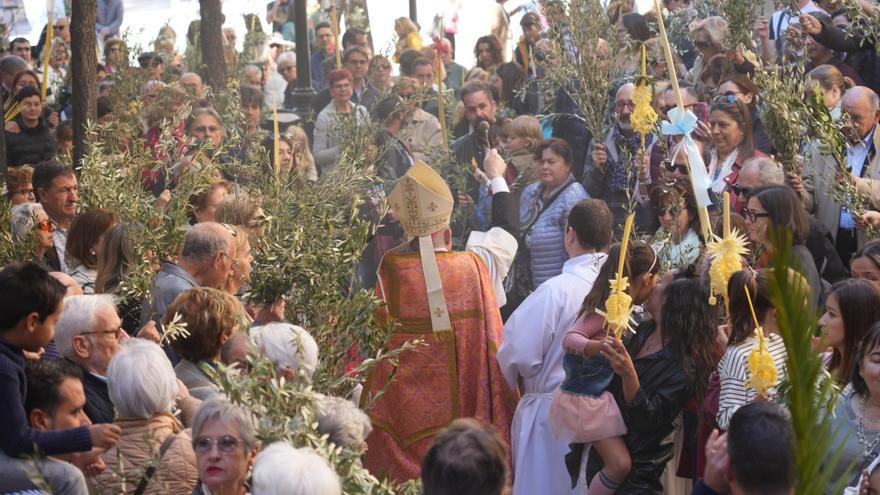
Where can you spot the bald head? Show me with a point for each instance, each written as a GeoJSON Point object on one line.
{"type": "Point", "coordinates": [757, 172]}
{"type": "Point", "coordinates": [193, 84]}
{"type": "Point", "coordinates": [863, 106]}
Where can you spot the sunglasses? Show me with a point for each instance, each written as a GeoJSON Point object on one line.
{"type": "Point", "coordinates": [672, 167]}
{"type": "Point", "coordinates": [753, 216]}
{"type": "Point", "coordinates": [741, 191]}
{"type": "Point", "coordinates": [726, 99]}
{"type": "Point", "coordinates": [45, 226]}
{"type": "Point", "coordinates": [226, 444]}
{"type": "Point", "coordinates": [702, 44]}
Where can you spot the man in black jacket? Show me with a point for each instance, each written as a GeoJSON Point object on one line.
{"type": "Point", "coordinates": [861, 54]}
{"type": "Point", "coordinates": [88, 335]}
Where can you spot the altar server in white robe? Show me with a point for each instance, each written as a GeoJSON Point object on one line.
{"type": "Point", "coordinates": [531, 351]}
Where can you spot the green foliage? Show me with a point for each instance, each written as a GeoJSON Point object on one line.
{"type": "Point", "coordinates": [810, 394]}
{"type": "Point", "coordinates": [863, 26]}
{"type": "Point", "coordinates": [581, 55]}
{"type": "Point", "coordinates": [782, 112]}
{"type": "Point", "coordinates": [287, 410]}
{"type": "Point", "coordinates": [10, 249]}
{"type": "Point", "coordinates": [830, 136]}
{"type": "Point", "coordinates": [740, 16]}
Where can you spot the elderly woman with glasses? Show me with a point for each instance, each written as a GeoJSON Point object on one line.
{"type": "Point", "coordinates": [154, 454]}
{"type": "Point", "coordinates": [708, 36]}
{"type": "Point", "coordinates": [225, 443]}
{"type": "Point", "coordinates": [30, 219]}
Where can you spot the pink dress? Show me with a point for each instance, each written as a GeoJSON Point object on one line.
{"type": "Point", "coordinates": [582, 410]}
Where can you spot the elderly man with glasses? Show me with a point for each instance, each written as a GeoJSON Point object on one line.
{"type": "Point", "coordinates": [763, 171]}
{"type": "Point", "coordinates": [605, 171]}
{"type": "Point", "coordinates": [88, 335]}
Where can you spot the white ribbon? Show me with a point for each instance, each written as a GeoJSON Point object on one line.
{"type": "Point", "coordinates": [683, 124]}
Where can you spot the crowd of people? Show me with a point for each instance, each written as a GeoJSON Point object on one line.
{"type": "Point", "coordinates": [503, 277]}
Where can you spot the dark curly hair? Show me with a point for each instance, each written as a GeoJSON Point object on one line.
{"type": "Point", "coordinates": [688, 324]}
{"type": "Point", "coordinates": [494, 49]}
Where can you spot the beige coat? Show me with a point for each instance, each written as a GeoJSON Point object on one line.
{"type": "Point", "coordinates": [819, 171]}
{"type": "Point", "coordinates": [422, 135]}
{"type": "Point", "coordinates": [140, 442]}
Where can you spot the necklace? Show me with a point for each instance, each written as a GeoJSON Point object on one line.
{"type": "Point", "coordinates": [866, 445]}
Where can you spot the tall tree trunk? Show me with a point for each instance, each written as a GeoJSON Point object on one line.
{"type": "Point", "coordinates": [83, 63]}
{"type": "Point", "coordinates": [211, 39]}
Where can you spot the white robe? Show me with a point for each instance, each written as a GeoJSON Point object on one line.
{"type": "Point", "coordinates": [531, 348]}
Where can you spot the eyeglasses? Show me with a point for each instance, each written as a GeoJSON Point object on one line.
{"type": "Point", "coordinates": [620, 105]}
{"type": "Point", "coordinates": [741, 191]}
{"type": "Point", "coordinates": [24, 192]}
{"type": "Point", "coordinates": [753, 216]}
{"type": "Point", "coordinates": [672, 167]}
{"type": "Point", "coordinates": [45, 226]}
{"type": "Point", "coordinates": [702, 44]}
{"type": "Point", "coordinates": [59, 27]}
{"type": "Point", "coordinates": [226, 444]}
{"type": "Point", "coordinates": [116, 333]}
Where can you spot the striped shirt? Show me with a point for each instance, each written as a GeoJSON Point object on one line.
{"type": "Point", "coordinates": [734, 374]}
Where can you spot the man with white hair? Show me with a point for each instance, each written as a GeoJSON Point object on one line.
{"type": "Point", "coordinates": [208, 251]}
{"type": "Point", "coordinates": [287, 70]}
{"type": "Point", "coordinates": [345, 424]}
{"type": "Point", "coordinates": [763, 171]}
{"type": "Point", "coordinates": [863, 163]}
{"type": "Point", "coordinates": [281, 469]}
{"type": "Point", "coordinates": [290, 347]}
{"type": "Point", "coordinates": [88, 334]}
{"type": "Point", "coordinates": [192, 83]}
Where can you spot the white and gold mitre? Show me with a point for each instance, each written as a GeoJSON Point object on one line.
{"type": "Point", "coordinates": [422, 201]}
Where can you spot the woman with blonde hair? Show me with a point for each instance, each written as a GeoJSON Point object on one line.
{"type": "Point", "coordinates": [408, 37]}
{"type": "Point", "coordinates": [832, 83]}
{"type": "Point", "coordinates": [241, 265]}
{"type": "Point", "coordinates": [379, 73]}
{"type": "Point", "coordinates": [709, 36]}
{"type": "Point", "coordinates": [303, 161]}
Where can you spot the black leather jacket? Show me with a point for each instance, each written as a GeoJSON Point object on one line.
{"type": "Point", "coordinates": [665, 389]}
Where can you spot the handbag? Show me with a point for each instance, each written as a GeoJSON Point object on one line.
{"type": "Point", "coordinates": [518, 284]}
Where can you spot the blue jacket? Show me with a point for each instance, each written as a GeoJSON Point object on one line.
{"type": "Point", "coordinates": [16, 435]}
{"type": "Point", "coordinates": [546, 237]}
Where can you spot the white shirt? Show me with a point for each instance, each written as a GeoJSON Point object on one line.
{"type": "Point", "coordinates": [733, 371]}
{"type": "Point", "coordinates": [497, 247]}
{"type": "Point", "coordinates": [781, 18]}
{"type": "Point", "coordinates": [531, 348]}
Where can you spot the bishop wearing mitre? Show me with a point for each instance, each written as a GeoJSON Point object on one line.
{"type": "Point", "coordinates": [449, 300]}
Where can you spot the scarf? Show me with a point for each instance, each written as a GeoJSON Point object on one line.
{"type": "Point", "coordinates": [719, 171]}
{"type": "Point", "coordinates": [619, 179]}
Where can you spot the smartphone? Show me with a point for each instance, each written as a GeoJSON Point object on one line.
{"type": "Point", "coordinates": [701, 110]}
